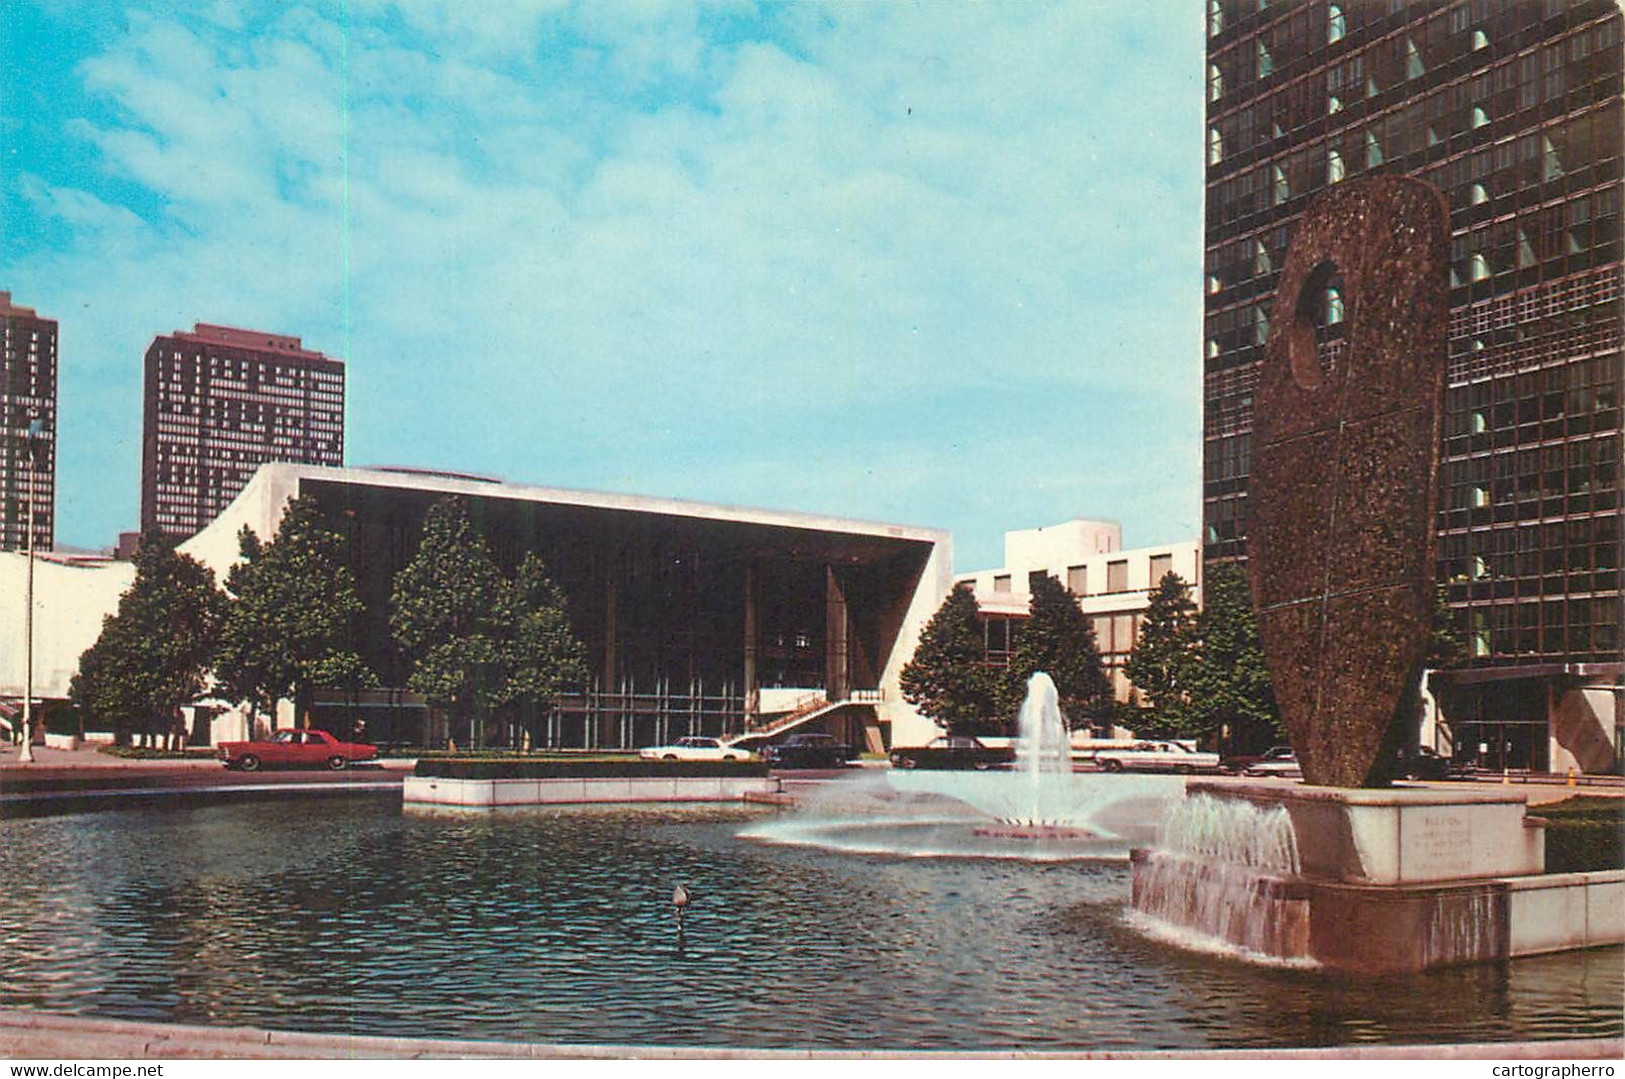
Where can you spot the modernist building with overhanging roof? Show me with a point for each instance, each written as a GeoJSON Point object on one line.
{"type": "Point", "coordinates": [1513, 110]}
{"type": "Point", "coordinates": [697, 618]}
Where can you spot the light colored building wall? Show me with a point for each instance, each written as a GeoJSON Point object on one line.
{"type": "Point", "coordinates": [71, 597]}
{"type": "Point", "coordinates": [908, 726]}
{"type": "Point", "coordinates": [1113, 585]}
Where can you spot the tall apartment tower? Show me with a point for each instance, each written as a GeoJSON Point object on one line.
{"type": "Point", "coordinates": [1513, 110]}
{"type": "Point", "coordinates": [220, 402]}
{"type": "Point", "coordinates": [27, 451]}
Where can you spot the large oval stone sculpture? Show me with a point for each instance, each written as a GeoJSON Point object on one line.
{"type": "Point", "coordinates": [1345, 451]}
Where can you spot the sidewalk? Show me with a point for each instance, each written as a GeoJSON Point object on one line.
{"type": "Point", "coordinates": [68, 780]}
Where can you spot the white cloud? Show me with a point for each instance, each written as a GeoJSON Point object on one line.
{"type": "Point", "coordinates": [574, 226]}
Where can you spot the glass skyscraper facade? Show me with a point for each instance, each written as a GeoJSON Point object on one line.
{"type": "Point", "coordinates": [1513, 110]}
{"type": "Point", "coordinates": [220, 402]}
{"type": "Point", "coordinates": [27, 398]}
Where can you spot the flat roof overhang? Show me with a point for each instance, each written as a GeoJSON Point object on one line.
{"type": "Point", "coordinates": [742, 532]}
{"type": "Point", "coordinates": [1484, 675]}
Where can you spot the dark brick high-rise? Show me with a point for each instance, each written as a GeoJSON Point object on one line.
{"type": "Point", "coordinates": [220, 402]}
{"type": "Point", "coordinates": [1513, 110]}
{"type": "Point", "coordinates": [27, 393]}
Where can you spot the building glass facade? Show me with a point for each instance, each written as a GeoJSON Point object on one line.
{"type": "Point", "coordinates": [27, 394]}
{"type": "Point", "coordinates": [1513, 110]}
{"type": "Point", "coordinates": [219, 403]}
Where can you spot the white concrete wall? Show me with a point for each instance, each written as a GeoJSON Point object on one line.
{"type": "Point", "coordinates": [908, 726]}
{"type": "Point", "coordinates": [70, 602]}
{"type": "Point", "coordinates": [1582, 729]}
{"type": "Point", "coordinates": [1094, 546]}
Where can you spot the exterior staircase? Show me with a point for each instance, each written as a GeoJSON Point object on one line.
{"type": "Point", "coordinates": [809, 708]}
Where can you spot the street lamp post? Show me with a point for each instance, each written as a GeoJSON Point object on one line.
{"type": "Point", "coordinates": [36, 429]}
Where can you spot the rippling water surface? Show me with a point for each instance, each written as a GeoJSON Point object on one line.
{"type": "Point", "coordinates": [348, 916]}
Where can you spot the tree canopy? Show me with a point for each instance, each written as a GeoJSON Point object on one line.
{"type": "Point", "coordinates": [1161, 664]}
{"type": "Point", "coordinates": [292, 621]}
{"type": "Point", "coordinates": [1230, 683]}
{"type": "Point", "coordinates": [154, 652]}
{"type": "Point", "coordinates": [477, 641]}
{"type": "Point", "coordinates": [1058, 638]}
{"type": "Point", "coordinates": [544, 658]}
{"type": "Point", "coordinates": [948, 679]}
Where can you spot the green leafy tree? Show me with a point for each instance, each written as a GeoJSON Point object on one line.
{"type": "Point", "coordinates": [543, 656]}
{"type": "Point", "coordinates": [450, 615]}
{"type": "Point", "coordinates": [154, 652]}
{"type": "Point", "coordinates": [291, 623]}
{"type": "Point", "coordinates": [1445, 648]}
{"type": "Point", "coordinates": [1059, 639]}
{"type": "Point", "coordinates": [948, 678]}
{"type": "Point", "coordinates": [1230, 683]}
{"type": "Point", "coordinates": [100, 689]}
{"type": "Point", "coordinates": [1161, 664]}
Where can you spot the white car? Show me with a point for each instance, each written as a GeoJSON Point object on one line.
{"type": "Point", "coordinates": [1156, 757]}
{"type": "Point", "coordinates": [694, 749]}
{"type": "Point", "coordinates": [1280, 761]}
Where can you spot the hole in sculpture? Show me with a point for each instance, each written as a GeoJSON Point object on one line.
{"type": "Point", "coordinates": [1319, 319]}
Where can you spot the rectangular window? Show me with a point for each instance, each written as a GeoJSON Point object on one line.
{"type": "Point", "coordinates": [1077, 579]}
{"type": "Point", "coordinates": [1103, 632]}
{"type": "Point", "coordinates": [1161, 566]}
{"type": "Point", "coordinates": [1123, 633]}
{"type": "Point", "coordinates": [1117, 576]}
{"type": "Point", "coordinates": [1001, 583]}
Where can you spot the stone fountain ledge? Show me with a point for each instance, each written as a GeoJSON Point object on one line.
{"type": "Point", "coordinates": [1402, 835]}
{"type": "Point", "coordinates": [1410, 878]}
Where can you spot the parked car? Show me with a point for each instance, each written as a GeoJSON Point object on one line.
{"type": "Point", "coordinates": [1156, 757]}
{"type": "Point", "coordinates": [1240, 762]}
{"type": "Point", "coordinates": [807, 751]}
{"type": "Point", "coordinates": [295, 749]}
{"type": "Point", "coordinates": [1424, 764]}
{"type": "Point", "coordinates": [956, 751]}
{"type": "Point", "coordinates": [694, 749]}
{"type": "Point", "coordinates": [1280, 761]}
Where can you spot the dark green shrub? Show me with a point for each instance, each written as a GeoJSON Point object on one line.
{"type": "Point", "coordinates": [1584, 834]}
{"type": "Point", "coordinates": [143, 753]}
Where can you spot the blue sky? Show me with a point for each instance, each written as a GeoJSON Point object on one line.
{"type": "Point", "coordinates": [930, 263]}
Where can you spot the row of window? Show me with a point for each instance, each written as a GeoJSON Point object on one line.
{"type": "Point", "coordinates": [1573, 628]}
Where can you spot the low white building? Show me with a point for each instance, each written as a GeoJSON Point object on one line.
{"type": "Point", "coordinates": [1113, 586]}
{"type": "Point", "coordinates": [697, 618]}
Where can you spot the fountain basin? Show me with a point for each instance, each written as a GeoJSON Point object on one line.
{"type": "Point", "coordinates": [1402, 835]}
{"type": "Point", "coordinates": [1034, 831]}
{"type": "Point", "coordinates": [1406, 879]}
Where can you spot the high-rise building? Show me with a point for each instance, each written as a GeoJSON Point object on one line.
{"type": "Point", "coordinates": [1513, 110]}
{"type": "Point", "coordinates": [27, 426]}
{"type": "Point", "coordinates": [220, 402]}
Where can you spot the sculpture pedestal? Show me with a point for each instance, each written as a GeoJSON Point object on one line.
{"type": "Point", "coordinates": [1402, 879]}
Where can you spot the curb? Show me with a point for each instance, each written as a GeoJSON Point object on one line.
{"type": "Point", "coordinates": [40, 1035]}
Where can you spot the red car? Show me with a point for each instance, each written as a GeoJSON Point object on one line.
{"type": "Point", "coordinates": [295, 749]}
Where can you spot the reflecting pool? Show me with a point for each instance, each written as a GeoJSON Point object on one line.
{"type": "Point", "coordinates": [348, 916]}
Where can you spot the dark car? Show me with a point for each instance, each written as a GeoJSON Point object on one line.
{"type": "Point", "coordinates": [1424, 764]}
{"type": "Point", "coordinates": [1240, 763]}
{"type": "Point", "coordinates": [953, 751]}
{"type": "Point", "coordinates": [807, 751]}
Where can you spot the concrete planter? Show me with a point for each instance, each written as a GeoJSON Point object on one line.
{"type": "Point", "coordinates": [495, 793]}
